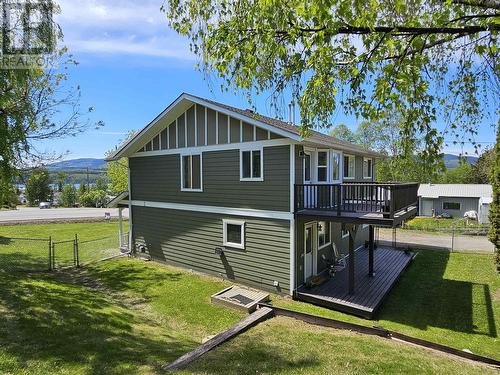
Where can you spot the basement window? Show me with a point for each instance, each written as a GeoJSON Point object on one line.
{"type": "Point", "coordinates": [234, 233]}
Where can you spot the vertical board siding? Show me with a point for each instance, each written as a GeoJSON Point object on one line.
{"type": "Point", "coordinates": [261, 134]}
{"type": "Point", "coordinates": [191, 130]}
{"type": "Point", "coordinates": [222, 132]}
{"type": "Point", "coordinates": [157, 178]}
{"type": "Point", "coordinates": [247, 132]}
{"type": "Point", "coordinates": [235, 130]}
{"type": "Point", "coordinates": [211, 127]}
{"type": "Point", "coordinates": [181, 128]}
{"type": "Point", "coordinates": [200, 119]}
{"type": "Point", "coordinates": [172, 133]}
{"type": "Point", "coordinates": [189, 239]}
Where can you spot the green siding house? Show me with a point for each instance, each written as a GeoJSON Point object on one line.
{"type": "Point", "coordinates": [239, 195]}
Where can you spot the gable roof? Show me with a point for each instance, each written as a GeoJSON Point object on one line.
{"type": "Point", "coordinates": [455, 190]}
{"type": "Point", "coordinates": [277, 126]}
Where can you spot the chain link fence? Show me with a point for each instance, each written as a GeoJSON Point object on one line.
{"type": "Point", "coordinates": [44, 254]}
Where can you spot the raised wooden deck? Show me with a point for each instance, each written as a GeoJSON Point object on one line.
{"type": "Point", "coordinates": [369, 291]}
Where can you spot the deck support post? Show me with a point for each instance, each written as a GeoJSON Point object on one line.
{"type": "Point", "coordinates": [352, 235]}
{"type": "Point", "coordinates": [120, 226]}
{"type": "Point", "coordinates": [370, 250]}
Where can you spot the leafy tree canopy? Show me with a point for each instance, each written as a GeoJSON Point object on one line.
{"type": "Point", "coordinates": [423, 59]}
{"type": "Point", "coordinates": [494, 214]}
{"type": "Point", "coordinates": [38, 186]}
{"type": "Point", "coordinates": [483, 167]}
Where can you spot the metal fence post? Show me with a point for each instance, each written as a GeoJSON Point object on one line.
{"type": "Point", "coordinates": [452, 238]}
{"type": "Point", "coordinates": [50, 253]}
{"type": "Point", "coordinates": [53, 256]}
{"type": "Point", "coordinates": [77, 255]}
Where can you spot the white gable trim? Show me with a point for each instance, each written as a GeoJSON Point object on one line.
{"type": "Point", "coordinates": [124, 150]}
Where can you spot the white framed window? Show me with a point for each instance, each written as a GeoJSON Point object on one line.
{"type": "Point", "coordinates": [191, 172]}
{"type": "Point", "coordinates": [323, 234]}
{"type": "Point", "coordinates": [322, 166]}
{"type": "Point", "coordinates": [252, 164]}
{"type": "Point", "coordinates": [367, 168]}
{"type": "Point", "coordinates": [336, 165]}
{"type": "Point", "coordinates": [349, 167]}
{"type": "Point", "coordinates": [344, 231]}
{"type": "Point", "coordinates": [233, 233]}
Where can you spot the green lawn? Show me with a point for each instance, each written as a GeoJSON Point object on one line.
{"type": "Point", "coordinates": [449, 298]}
{"type": "Point", "coordinates": [117, 317]}
{"type": "Point", "coordinates": [432, 224]}
{"type": "Point", "coordinates": [287, 346]}
{"type": "Point", "coordinates": [26, 246]}
{"type": "Point", "coordinates": [127, 316]}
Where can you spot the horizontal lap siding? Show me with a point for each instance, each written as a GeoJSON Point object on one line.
{"type": "Point", "coordinates": [189, 239]}
{"type": "Point", "coordinates": [157, 178]}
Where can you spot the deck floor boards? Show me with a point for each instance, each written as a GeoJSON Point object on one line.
{"type": "Point", "coordinates": [368, 291]}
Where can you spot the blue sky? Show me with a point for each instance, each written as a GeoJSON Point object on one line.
{"type": "Point", "coordinates": [131, 66]}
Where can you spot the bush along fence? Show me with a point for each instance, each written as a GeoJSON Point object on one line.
{"type": "Point", "coordinates": [45, 254]}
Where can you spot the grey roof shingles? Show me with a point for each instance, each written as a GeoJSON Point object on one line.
{"type": "Point", "coordinates": [315, 137]}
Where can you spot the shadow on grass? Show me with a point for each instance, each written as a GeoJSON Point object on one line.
{"type": "Point", "coordinates": [50, 321]}
{"type": "Point", "coordinates": [264, 359]}
{"type": "Point", "coordinates": [424, 297]}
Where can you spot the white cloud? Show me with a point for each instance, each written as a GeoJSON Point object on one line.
{"type": "Point", "coordinates": [120, 27]}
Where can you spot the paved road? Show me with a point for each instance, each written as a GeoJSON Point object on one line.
{"type": "Point", "coordinates": [35, 214]}
{"type": "Point", "coordinates": [444, 241]}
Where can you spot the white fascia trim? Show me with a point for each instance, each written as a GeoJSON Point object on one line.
{"type": "Point", "coordinates": [247, 119]}
{"type": "Point", "coordinates": [279, 215]}
{"type": "Point", "coordinates": [228, 146]}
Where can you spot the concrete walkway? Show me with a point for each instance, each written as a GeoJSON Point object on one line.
{"type": "Point", "coordinates": [35, 214]}
{"type": "Point", "coordinates": [438, 241]}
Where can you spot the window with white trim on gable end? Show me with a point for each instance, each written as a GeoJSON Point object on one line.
{"type": "Point", "coordinates": [367, 167]}
{"type": "Point", "coordinates": [322, 166]}
{"type": "Point", "coordinates": [233, 233]}
{"type": "Point", "coordinates": [349, 166]}
{"type": "Point", "coordinates": [251, 165]}
{"type": "Point", "coordinates": [191, 172]}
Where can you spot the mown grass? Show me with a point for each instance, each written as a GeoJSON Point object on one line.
{"type": "Point", "coordinates": [452, 299]}
{"type": "Point", "coordinates": [128, 316]}
{"type": "Point", "coordinates": [433, 224]}
{"type": "Point", "coordinates": [118, 317]}
{"type": "Point", "coordinates": [26, 247]}
{"type": "Point", "coordinates": [286, 346]}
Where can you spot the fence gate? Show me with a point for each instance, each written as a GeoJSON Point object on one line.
{"type": "Point", "coordinates": [44, 254]}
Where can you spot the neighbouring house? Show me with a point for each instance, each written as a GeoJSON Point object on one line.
{"type": "Point", "coordinates": [243, 196]}
{"type": "Point", "coordinates": [455, 199]}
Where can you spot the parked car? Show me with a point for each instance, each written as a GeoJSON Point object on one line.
{"type": "Point", "coordinates": [43, 205]}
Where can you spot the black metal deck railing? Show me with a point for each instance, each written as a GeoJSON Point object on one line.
{"type": "Point", "coordinates": [382, 198]}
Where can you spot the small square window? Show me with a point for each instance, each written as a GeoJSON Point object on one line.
{"type": "Point", "coordinates": [234, 233]}
{"type": "Point", "coordinates": [251, 164]}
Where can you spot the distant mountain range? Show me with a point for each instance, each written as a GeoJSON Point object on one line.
{"type": "Point", "coordinates": [77, 164]}
{"type": "Point", "coordinates": [451, 161]}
